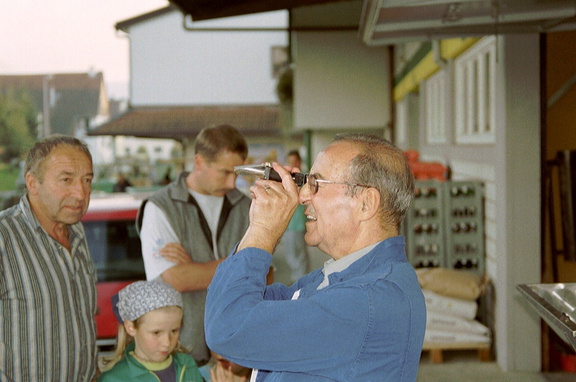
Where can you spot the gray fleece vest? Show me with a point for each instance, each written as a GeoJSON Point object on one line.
{"type": "Point", "coordinates": [187, 220]}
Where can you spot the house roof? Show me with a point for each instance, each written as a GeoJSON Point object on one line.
{"type": "Point", "coordinates": [75, 96]}
{"type": "Point", "coordinates": [59, 80]}
{"type": "Point", "coordinates": [185, 122]}
{"type": "Point", "coordinates": [211, 9]}
{"type": "Point", "coordinates": [127, 23]}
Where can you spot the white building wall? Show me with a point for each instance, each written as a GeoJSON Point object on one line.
{"type": "Point", "coordinates": [156, 149]}
{"type": "Point", "coordinates": [339, 82]}
{"type": "Point", "coordinates": [519, 222]}
{"type": "Point", "coordinates": [406, 127]}
{"type": "Point", "coordinates": [101, 149]}
{"type": "Point", "coordinates": [172, 66]}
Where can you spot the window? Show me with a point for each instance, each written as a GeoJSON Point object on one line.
{"type": "Point", "coordinates": [115, 249]}
{"type": "Point", "coordinates": [474, 98]}
{"type": "Point", "coordinates": [435, 108]}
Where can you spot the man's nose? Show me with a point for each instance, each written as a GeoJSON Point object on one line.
{"type": "Point", "coordinates": [80, 189]}
{"type": "Point", "coordinates": [304, 195]}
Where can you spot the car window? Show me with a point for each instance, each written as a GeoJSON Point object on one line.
{"type": "Point", "coordinates": [116, 250]}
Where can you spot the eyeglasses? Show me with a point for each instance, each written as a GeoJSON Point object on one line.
{"type": "Point", "coordinates": [313, 183]}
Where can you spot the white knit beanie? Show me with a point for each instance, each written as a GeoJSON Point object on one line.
{"type": "Point", "coordinates": [141, 297]}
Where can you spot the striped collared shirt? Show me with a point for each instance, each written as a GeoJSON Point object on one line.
{"type": "Point", "coordinates": [47, 302]}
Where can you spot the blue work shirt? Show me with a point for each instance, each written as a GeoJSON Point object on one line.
{"type": "Point", "coordinates": [367, 325]}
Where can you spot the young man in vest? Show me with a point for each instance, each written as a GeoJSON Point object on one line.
{"type": "Point", "coordinates": [190, 226]}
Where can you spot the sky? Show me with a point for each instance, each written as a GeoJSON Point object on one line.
{"type": "Point", "coordinates": [69, 36]}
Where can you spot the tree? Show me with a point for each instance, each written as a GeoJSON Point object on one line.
{"type": "Point", "coordinates": [17, 125]}
{"type": "Point", "coordinates": [284, 87]}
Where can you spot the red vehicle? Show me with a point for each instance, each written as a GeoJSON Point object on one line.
{"type": "Point", "coordinates": [116, 251]}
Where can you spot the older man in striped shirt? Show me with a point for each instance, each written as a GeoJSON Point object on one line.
{"type": "Point", "coordinates": [47, 278]}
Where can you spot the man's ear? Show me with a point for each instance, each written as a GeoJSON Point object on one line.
{"type": "Point", "coordinates": [31, 183]}
{"type": "Point", "coordinates": [130, 328]}
{"type": "Point", "coordinates": [370, 202]}
{"type": "Point", "coordinates": [199, 161]}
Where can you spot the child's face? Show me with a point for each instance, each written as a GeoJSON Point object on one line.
{"type": "Point", "coordinates": [157, 333]}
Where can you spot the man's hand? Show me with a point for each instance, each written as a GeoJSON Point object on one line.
{"type": "Point", "coordinates": [219, 373]}
{"type": "Point", "coordinates": [226, 371]}
{"type": "Point", "coordinates": [175, 253]}
{"type": "Point", "coordinates": [273, 204]}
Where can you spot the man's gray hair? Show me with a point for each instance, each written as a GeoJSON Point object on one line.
{"type": "Point", "coordinates": [383, 166]}
{"type": "Point", "coordinates": [41, 149]}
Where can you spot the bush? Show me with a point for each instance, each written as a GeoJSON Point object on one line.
{"type": "Point", "coordinates": [8, 176]}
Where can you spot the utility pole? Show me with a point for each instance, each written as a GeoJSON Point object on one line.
{"type": "Point", "coordinates": [46, 104]}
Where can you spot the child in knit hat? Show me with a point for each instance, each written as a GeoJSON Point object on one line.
{"type": "Point", "coordinates": [147, 347]}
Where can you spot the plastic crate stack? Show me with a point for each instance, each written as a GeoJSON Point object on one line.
{"type": "Point", "coordinates": [444, 226]}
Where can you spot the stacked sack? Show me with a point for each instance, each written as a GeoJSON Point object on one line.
{"type": "Point", "coordinates": [451, 306]}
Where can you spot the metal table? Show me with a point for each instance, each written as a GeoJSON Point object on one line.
{"type": "Point", "coordinates": [556, 304]}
